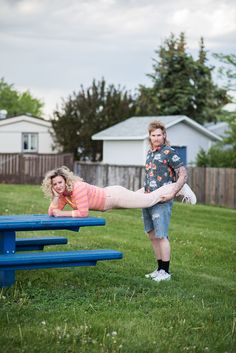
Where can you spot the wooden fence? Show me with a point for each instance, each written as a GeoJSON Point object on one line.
{"type": "Point", "coordinates": [30, 168]}
{"type": "Point", "coordinates": [213, 186]}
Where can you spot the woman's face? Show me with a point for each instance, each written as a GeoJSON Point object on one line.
{"type": "Point", "coordinates": [59, 184]}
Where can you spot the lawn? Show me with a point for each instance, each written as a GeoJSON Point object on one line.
{"type": "Point", "coordinates": [111, 307]}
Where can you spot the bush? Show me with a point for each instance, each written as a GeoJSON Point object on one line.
{"type": "Point", "coordinates": [218, 157]}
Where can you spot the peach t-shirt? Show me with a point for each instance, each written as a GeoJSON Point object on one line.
{"type": "Point", "coordinates": [83, 198]}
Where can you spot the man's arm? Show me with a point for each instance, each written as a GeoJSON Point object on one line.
{"type": "Point", "coordinates": [182, 176]}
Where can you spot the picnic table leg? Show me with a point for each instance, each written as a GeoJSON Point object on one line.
{"type": "Point", "coordinates": [7, 278]}
{"type": "Point", "coordinates": [7, 246]}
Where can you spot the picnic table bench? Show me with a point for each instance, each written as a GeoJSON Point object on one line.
{"type": "Point", "coordinates": [11, 260]}
{"type": "Point", "coordinates": [38, 243]}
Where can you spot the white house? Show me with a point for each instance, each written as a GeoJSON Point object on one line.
{"type": "Point", "coordinates": [126, 143]}
{"type": "Point", "coordinates": [24, 134]}
{"type": "Point", "coordinates": [220, 128]}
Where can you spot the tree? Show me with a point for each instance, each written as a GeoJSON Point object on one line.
{"type": "Point", "coordinates": [181, 85]}
{"type": "Point", "coordinates": [88, 112]}
{"type": "Point", "coordinates": [223, 154]}
{"type": "Point", "coordinates": [230, 138]}
{"type": "Point", "coordinates": [16, 103]}
{"type": "Point", "coordinates": [227, 71]}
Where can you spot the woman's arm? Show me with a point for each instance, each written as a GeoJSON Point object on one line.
{"type": "Point", "coordinates": [57, 203]}
{"type": "Point", "coordinates": [60, 213]}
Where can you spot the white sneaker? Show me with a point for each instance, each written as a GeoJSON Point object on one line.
{"type": "Point", "coordinates": [152, 274]}
{"type": "Point", "coordinates": [162, 276]}
{"type": "Point", "coordinates": [188, 195]}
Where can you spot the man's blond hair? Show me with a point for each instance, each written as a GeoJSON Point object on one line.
{"type": "Point", "coordinates": [154, 125]}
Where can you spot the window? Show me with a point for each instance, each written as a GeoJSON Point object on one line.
{"type": "Point", "coordinates": [29, 142]}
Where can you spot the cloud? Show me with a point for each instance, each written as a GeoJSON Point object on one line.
{"type": "Point", "coordinates": [104, 22]}
{"type": "Point", "coordinates": [57, 45]}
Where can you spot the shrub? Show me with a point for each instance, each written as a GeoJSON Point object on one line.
{"type": "Point", "coordinates": [217, 156]}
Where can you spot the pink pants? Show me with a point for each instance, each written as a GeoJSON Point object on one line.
{"type": "Point", "coordinates": [120, 197]}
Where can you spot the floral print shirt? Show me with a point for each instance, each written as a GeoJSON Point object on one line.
{"type": "Point", "coordinates": [160, 167]}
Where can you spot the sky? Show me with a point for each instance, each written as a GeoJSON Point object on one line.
{"type": "Point", "coordinates": [52, 47]}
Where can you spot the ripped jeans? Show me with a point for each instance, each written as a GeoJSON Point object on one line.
{"type": "Point", "coordinates": [157, 218]}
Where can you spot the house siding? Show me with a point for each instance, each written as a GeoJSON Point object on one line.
{"type": "Point", "coordinates": [11, 136]}
{"type": "Point", "coordinates": [124, 152]}
{"type": "Point", "coordinates": [184, 135]}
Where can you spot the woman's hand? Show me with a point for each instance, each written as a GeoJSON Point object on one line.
{"type": "Point", "coordinates": [55, 194]}
{"type": "Point", "coordinates": [57, 213]}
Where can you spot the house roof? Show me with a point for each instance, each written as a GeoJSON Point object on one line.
{"type": "Point", "coordinates": [219, 128]}
{"type": "Point", "coordinates": [27, 118]}
{"type": "Point", "coordinates": [136, 128]}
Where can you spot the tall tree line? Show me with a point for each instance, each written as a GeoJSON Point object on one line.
{"type": "Point", "coordinates": [15, 103]}
{"type": "Point", "coordinates": [223, 154]}
{"type": "Point", "coordinates": [180, 85]}
{"type": "Point", "coordinates": [87, 112]}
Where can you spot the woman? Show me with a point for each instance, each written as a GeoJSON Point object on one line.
{"type": "Point", "coordinates": [66, 188]}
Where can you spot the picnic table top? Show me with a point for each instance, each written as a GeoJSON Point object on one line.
{"type": "Point", "coordinates": [42, 221]}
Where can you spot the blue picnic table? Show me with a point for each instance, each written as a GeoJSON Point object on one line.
{"type": "Point", "coordinates": [18, 253]}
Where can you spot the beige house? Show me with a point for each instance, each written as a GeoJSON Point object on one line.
{"type": "Point", "coordinates": [25, 134]}
{"type": "Point", "coordinates": [126, 143]}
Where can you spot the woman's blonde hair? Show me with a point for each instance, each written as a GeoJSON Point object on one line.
{"type": "Point", "coordinates": [154, 125]}
{"type": "Point", "coordinates": [69, 177]}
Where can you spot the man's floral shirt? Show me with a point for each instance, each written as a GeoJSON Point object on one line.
{"type": "Point", "coordinates": [160, 167]}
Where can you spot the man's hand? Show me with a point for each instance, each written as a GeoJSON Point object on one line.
{"type": "Point", "coordinates": [167, 197]}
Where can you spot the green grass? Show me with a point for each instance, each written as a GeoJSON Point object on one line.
{"type": "Point", "coordinates": [112, 308]}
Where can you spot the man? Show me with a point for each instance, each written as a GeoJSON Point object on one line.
{"type": "Point", "coordinates": [163, 166]}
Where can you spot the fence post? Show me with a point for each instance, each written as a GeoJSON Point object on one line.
{"type": "Point", "coordinates": [21, 168]}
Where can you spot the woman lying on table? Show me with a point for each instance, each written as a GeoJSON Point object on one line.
{"type": "Point", "coordinates": [66, 188]}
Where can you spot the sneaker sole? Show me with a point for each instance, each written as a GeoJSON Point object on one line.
{"type": "Point", "coordinates": [191, 195]}
{"type": "Point", "coordinates": [148, 276]}
{"type": "Point", "coordinates": [160, 278]}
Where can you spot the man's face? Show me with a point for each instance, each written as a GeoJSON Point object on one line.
{"type": "Point", "coordinates": [157, 138]}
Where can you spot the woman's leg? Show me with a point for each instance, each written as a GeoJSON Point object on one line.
{"type": "Point", "coordinates": [120, 197]}
{"type": "Point", "coordinates": [186, 192]}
